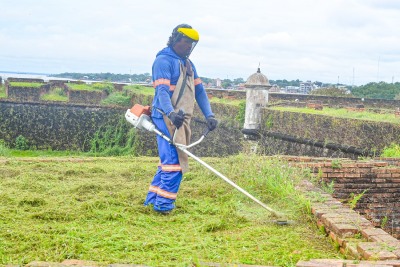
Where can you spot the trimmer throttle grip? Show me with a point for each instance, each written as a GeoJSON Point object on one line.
{"type": "Point", "coordinates": [206, 131]}
{"type": "Point", "coordinates": [181, 113]}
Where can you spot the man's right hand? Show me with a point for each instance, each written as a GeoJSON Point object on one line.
{"type": "Point", "coordinates": [177, 118]}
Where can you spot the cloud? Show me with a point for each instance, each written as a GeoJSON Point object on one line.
{"type": "Point", "coordinates": [306, 40]}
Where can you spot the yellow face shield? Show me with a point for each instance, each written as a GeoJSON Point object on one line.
{"type": "Point", "coordinates": [190, 33]}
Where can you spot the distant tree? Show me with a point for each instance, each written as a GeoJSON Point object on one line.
{"type": "Point", "coordinates": [226, 83]}
{"type": "Point", "coordinates": [238, 81]}
{"type": "Point", "coordinates": [111, 77]}
{"type": "Point", "coordinates": [331, 91]}
{"type": "Point", "coordinates": [319, 84]}
{"type": "Point", "coordinates": [284, 82]}
{"type": "Point", "coordinates": [381, 90]}
{"type": "Point", "coordinates": [206, 80]}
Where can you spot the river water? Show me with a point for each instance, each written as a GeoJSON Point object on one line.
{"type": "Point", "coordinates": [4, 75]}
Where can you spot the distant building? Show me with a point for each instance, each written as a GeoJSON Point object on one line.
{"type": "Point", "coordinates": [292, 89]}
{"type": "Point", "coordinates": [306, 87]}
{"type": "Point", "coordinates": [275, 88]}
{"type": "Point", "coordinates": [240, 86]}
{"type": "Point", "coordinates": [218, 82]}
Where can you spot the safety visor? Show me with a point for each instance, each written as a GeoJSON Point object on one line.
{"type": "Point", "coordinates": [190, 33]}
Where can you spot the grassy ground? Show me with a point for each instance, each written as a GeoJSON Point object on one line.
{"type": "Point", "coordinates": [233, 102]}
{"type": "Point", "coordinates": [140, 89]}
{"type": "Point", "coordinates": [55, 94]}
{"type": "Point", "coordinates": [2, 91]}
{"type": "Point", "coordinates": [26, 84]}
{"type": "Point", "coordinates": [56, 208]}
{"type": "Point", "coordinates": [343, 113]}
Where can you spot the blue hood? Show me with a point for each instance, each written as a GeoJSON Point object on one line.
{"type": "Point", "coordinates": [168, 51]}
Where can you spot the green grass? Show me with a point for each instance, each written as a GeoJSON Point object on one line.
{"type": "Point", "coordinates": [139, 89]}
{"type": "Point", "coordinates": [92, 209]}
{"type": "Point", "coordinates": [55, 94]}
{"type": "Point", "coordinates": [80, 87]}
{"type": "Point", "coordinates": [26, 84]}
{"type": "Point", "coordinates": [3, 91]}
{"type": "Point", "coordinates": [234, 102]}
{"type": "Point", "coordinates": [343, 113]}
{"type": "Point", "coordinates": [117, 99]}
{"type": "Point", "coordinates": [392, 151]}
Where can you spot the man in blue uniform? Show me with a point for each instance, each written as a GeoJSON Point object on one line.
{"type": "Point", "coordinates": [177, 85]}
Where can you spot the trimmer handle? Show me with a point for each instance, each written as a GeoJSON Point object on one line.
{"type": "Point", "coordinates": [181, 113]}
{"type": "Point", "coordinates": [206, 131]}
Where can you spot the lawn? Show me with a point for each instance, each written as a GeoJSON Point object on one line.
{"type": "Point", "coordinates": [70, 207]}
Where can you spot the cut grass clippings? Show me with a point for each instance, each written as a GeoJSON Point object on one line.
{"type": "Point", "coordinates": [58, 208]}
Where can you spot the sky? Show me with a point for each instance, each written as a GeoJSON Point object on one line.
{"type": "Point", "coordinates": [351, 42]}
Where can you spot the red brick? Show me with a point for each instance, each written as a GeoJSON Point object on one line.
{"type": "Point", "coordinates": [43, 264]}
{"type": "Point", "coordinates": [336, 175]}
{"type": "Point", "coordinates": [345, 230]}
{"type": "Point", "coordinates": [375, 251]}
{"type": "Point", "coordinates": [384, 175]}
{"type": "Point", "coordinates": [73, 262]}
{"type": "Point", "coordinates": [349, 165]}
{"type": "Point", "coordinates": [379, 179]}
{"type": "Point", "coordinates": [370, 233]}
{"type": "Point", "coordinates": [318, 264]}
{"type": "Point", "coordinates": [395, 170]}
{"type": "Point", "coordinates": [381, 164]}
{"type": "Point", "coordinates": [349, 175]}
{"type": "Point", "coordinates": [365, 164]}
{"type": "Point", "coordinates": [380, 170]}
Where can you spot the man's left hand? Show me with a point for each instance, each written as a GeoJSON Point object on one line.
{"type": "Point", "coordinates": [211, 123]}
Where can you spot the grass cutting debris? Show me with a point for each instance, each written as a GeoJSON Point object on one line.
{"type": "Point", "coordinates": [57, 208]}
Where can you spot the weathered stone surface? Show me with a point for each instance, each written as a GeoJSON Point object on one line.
{"type": "Point", "coordinates": [347, 263]}
{"type": "Point", "coordinates": [43, 264]}
{"type": "Point", "coordinates": [81, 263]}
{"type": "Point", "coordinates": [375, 251]}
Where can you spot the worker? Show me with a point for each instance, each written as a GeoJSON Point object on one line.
{"type": "Point", "coordinates": [177, 85]}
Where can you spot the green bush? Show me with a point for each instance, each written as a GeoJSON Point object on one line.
{"type": "Point", "coordinates": [240, 117]}
{"type": "Point", "coordinates": [114, 140]}
{"type": "Point", "coordinates": [4, 150]}
{"type": "Point", "coordinates": [21, 143]}
{"type": "Point", "coordinates": [392, 151]}
{"type": "Point", "coordinates": [139, 89]}
{"type": "Point", "coordinates": [2, 91]}
{"type": "Point", "coordinates": [104, 86]}
{"type": "Point", "coordinates": [80, 87]}
{"type": "Point", "coordinates": [56, 94]}
{"type": "Point", "coordinates": [118, 99]}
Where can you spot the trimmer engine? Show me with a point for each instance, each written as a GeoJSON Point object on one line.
{"type": "Point", "coordinates": [139, 117]}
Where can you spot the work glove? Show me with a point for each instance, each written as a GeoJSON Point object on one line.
{"type": "Point", "coordinates": [177, 118]}
{"type": "Point", "coordinates": [211, 123]}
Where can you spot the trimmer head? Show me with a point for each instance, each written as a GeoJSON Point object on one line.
{"type": "Point", "coordinates": [283, 222]}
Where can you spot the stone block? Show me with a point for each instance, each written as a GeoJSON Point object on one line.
{"type": "Point", "coordinates": [75, 262]}
{"type": "Point", "coordinates": [43, 264]}
{"type": "Point", "coordinates": [378, 235]}
{"type": "Point", "coordinates": [375, 251]}
{"type": "Point", "coordinates": [345, 230]}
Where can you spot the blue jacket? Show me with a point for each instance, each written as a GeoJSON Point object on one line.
{"type": "Point", "coordinates": [165, 75]}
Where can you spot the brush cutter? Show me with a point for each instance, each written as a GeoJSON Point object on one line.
{"type": "Point", "coordinates": [139, 117]}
